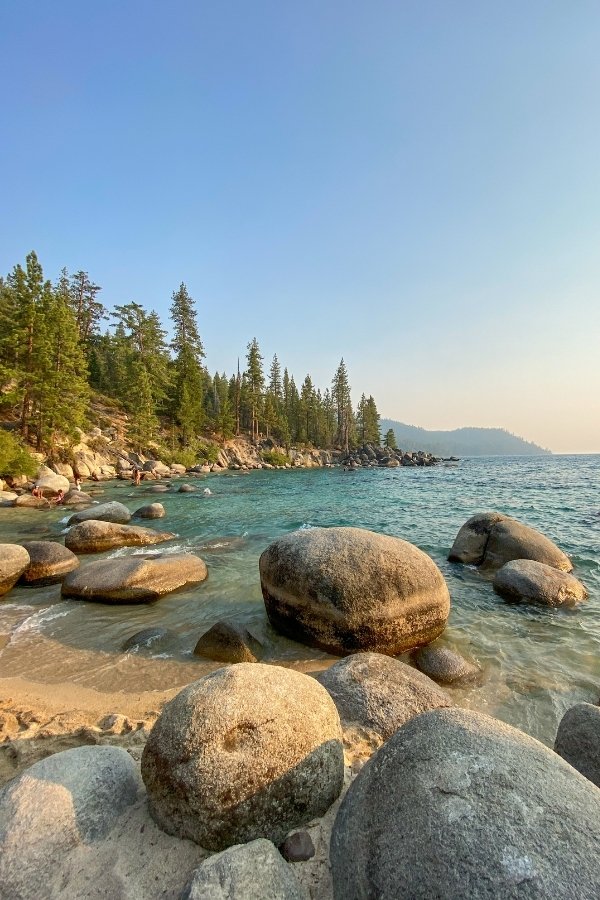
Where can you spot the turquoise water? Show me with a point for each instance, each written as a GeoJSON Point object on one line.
{"type": "Point", "coordinates": [536, 662]}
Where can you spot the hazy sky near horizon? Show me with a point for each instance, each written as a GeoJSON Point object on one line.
{"type": "Point", "coordinates": [414, 186]}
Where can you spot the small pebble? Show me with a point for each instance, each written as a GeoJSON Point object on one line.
{"type": "Point", "coordinates": [297, 847]}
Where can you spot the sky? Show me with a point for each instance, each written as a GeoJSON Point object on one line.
{"type": "Point", "coordinates": [412, 186]}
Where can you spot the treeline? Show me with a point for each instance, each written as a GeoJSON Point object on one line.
{"type": "Point", "coordinates": [58, 343]}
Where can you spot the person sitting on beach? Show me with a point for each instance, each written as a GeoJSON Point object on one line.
{"type": "Point", "coordinates": [37, 493]}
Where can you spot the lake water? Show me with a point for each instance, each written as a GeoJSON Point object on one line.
{"type": "Point", "coordinates": [537, 662]}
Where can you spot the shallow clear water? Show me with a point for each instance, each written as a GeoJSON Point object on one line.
{"type": "Point", "coordinates": [536, 662]}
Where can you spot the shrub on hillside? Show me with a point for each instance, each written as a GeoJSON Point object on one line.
{"type": "Point", "coordinates": [14, 458]}
{"type": "Point", "coordinates": [274, 458]}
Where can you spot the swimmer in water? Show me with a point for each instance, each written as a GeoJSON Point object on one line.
{"type": "Point", "coordinates": [207, 492]}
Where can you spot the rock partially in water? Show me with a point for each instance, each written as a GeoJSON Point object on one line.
{"type": "Point", "coordinates": [31, 502]}
{"type": "Point", "coordinates": [230, 643]}
{"type": "Point", "coordinates": [96, 537]}
{"type": "Point", "coordinates": [7, 498]}
{"type": "Point", "coordinates": [535, 582]}
{"type": "Point", "coordinates": [444, 665]}
{"type": "Point", "coordinates": [150, 511]}
{"type": "Point", "coordinates": [75, 498]}
{"type": "Point", "coordinates": [457, 804]}
{"type": "Point", "coordinates": [578, 740]}
{"type": "Point", "coordinates": [252, 871]}
{"type": "Point", "coordinates": [67, 800]}
{"type": "Point", "coordinates": [50, 483]}
{"type": "Point", "coordinates": [49, 562]}
{"type": "Point", "coordinates": [492, 539]}
{"type": "Point", "coordinates": [137, 579]}
{"type": "Point", "coordinates": [103, 512]}
{"type": "Point", "coordinates": [13, 562]}
{"type": "Point", "coordinates": [147, 639]}
{"type": "Point", "coordinates": [380, 693]}
{"type": "Point", "coordinates": [186, 489]}
{"type": "Point", "coordinates": [348, 589]}
{"type": "Point", "coordinates": [249, 751]}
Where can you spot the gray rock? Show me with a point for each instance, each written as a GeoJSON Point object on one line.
{"type": "Point", "coordinates": [491, 539]}
{"type": "Point", "coordinates": [456, 805]}
{"type": "Point", "coordinates": [150, 511]}
{"type": "Point", "coordinates": [96, 537]}
{"type": "Point", "coordinates": [28, 501]}
{"type": "Point", "coordinates": [380, 693]}
{"type": "Point", "coordinates": [157, 467]}
{"type": "Point", "coordinates": [298, 847]}
{"type": "Point", "coordinates": [7, 498]}
{"type": "Point", "coordinates": [103, 512]}
{"type": "Point", "coordinates": [147, 639]}
{"type": "Point", "coordinates": [249, 751]}
{"type": "Point", "coordinates": [578, 740]}
{"type": "Point", "coordinates": [136, 579]}
{"type": "Point", "coordinates": [348, 589]}
{"type": "Point", "coordinates": [68, 799]}
{"type": "Point", "coordinates": [444, 665]}
{"type": "Point", "coordinates": [230, 643]}
{"type": "Point", "coordinates": [75, 498]}
{"type": "Point", "coordinates": [253, 871]}
{"type": "Point", "coordinates": [50, 483]}
{"type": "Point", "coordinates": [14, 560]}
{"type": "Point", "coordinates": [49, 562]}
{"type": "Point", "coordinates": [535, 582]}
{"type": "Point", "coordinates": [187, 489]}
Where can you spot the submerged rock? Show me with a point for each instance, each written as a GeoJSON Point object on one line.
{"type": "Point", "coordinates": [103, 512]}
{"type": "Point", "coordinates": [578, 740]}
{"type": "Point", "coordinates": [253, 871]}
{"type": "Point", "coordinates": [228, 642]}
{"type": "Point", "coordinates": [525, 579]}
{"type": "Point", "coordinates": [249, 751]}
{"type": "Point", "coordinates": [136, 579]}
{"type": "Point", "coordinates": [150, 511]}
{"type": "Point", "coordinates": [69, 799]}
{"type": "Point", "coordinates": [445, 665]}
{"type": "Point", "coordinates": [492, 539]}
{"type": "Point", "coordinates": [348, 589]}
{"type": "Point", "coordinates": [147, 639]}
{"type": "Point", "coordinates": [49, 562]}
{"type": "Point", "coordinates": [14, 560]}
{"type": "Point", "coordinates": [380, 693]}
{"type": "Point", "coordinates": [96, 537]}
{"type": "Point", "coordinates": [457, 804]}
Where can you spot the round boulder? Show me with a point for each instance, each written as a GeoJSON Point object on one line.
{"type": "Point", "coordinates": [148, 639]}
{"type": "Point", "coordinates": [95, 537]}
{"type": "Point", "coordinates": [14, 560]}
{"type": "Point", "coordinates": [348, 589]}
{"type": "Point", "coordinates": [103, 512]}
{"type": "Point", "coordinates": [535, 582]}
{"type": "Point", "coordinates": [249, 751]}
{"type": "Point", "coordinates": [137, 579]}
{"type": "Point", "coordinates": [50, 483]}
{"type": "Point", "coordinates": [230, 643]}
{"type": "Point", "coordinates": [380, 693]}
{"type": "Point", "coordinates": [50, 562]}
{"type": "Point", "coordinates": [578, 740]}
{"type": "Point", "coordinates": [491, 539]}
{"type": "Point", "coordinates": [444, 665]}
{"type": "Point", "coordinates": [150, 511]}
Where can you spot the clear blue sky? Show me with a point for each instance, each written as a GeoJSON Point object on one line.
{"type": "Point", "coordinates": [414, 186]}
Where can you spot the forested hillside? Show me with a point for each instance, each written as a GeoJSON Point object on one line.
{"type": "Point", "coordinates": [461, 441]}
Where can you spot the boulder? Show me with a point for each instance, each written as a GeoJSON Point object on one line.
{"type": "Point", "coordinates": [186, 489]}
{"type": "Point", "coordinates": [147, 639]}
{"type": "Point", "coordinates": [95, 537]}
{"type": "Point", "coordinates": [158, 468]}
{"type": "Point", "coordinates": [178, 469]}
{"type": "Point", "coordinates": [28, 501]}
{"type": "Point", "coordinates": [13, 562]}
{"type": "Point", "coordinates": [249, 751]}
{"type": "Point", "coordinates": [49, 562]}
{"type": "Point", "coordinates": [67, 800]}
{"type": "Point", "coordinates": [253, 871]}
{"type": "Point", "coordinates": [76, 497]}
{"type": "Point", "coordinates": [380, 693]}
{"type": "Point", "coordinates": [50, 483]}
{"type": "Point", "coordinates": [491, 539]}
{"type": "Point", "coordinates": [535, 582]}
{"type": "Point", "coordinates": [348, 589]}
{"type": "Point", "coordinates": [578, 740]}
{"type": "Point", "coordinates": [444, 665]}
{"type": "Point", "coordinates": [7, 498]}
{"type": "Point", "coordinates": [134, 579]}
{"type": "Point", "coordinates": [150, 511]}
{"type": "Point", "coordinates": [230, 643]}
{"type": "Point", "coordinates": [63, 469]}
{"type": "Point", "coordinates": [298, 847]}
{"type": "Point", "coordinates": [458, 804]}
{"type": "Point", "coordinates": [103, 512]}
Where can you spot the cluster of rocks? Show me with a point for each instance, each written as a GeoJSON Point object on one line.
{"type": "Point", "coordinates": [384, 457]}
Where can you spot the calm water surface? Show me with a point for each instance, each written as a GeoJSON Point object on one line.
{"type": "Point", "coordinates": [536, 662]}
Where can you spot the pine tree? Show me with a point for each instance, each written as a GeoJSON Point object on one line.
{"type": "Point", "coordinates": [188, 388]}
{"type": "Point", "coordinates": [256, 380]}
{"type": "Point", "coordinates": [343, 404]}
{"type": "Point", "coordinates": [87, 309]}
{"type": "Point", "coordinates": [372, 434]}
{"type": "Point", "coordinates": [389, 440]}
{"type": "Point", "coordinates": [275, 385]}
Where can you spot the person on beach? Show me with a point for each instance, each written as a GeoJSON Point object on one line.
{"type": "Point", "coordinates": [60, 498]}
{"type": "Point", "coordinates": [37, 493]}
{"type": "Point", "coordinates": [137, 477]}
{"type": "Point", "coordinates": [77, 483]}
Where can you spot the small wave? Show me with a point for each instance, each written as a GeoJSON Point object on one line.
{"type": "Point", "coordinates": [306, 526]}
{"type": "Point", "coordinates": [147, 551]}
{"type": "Point", "coordinates": [38, 620]}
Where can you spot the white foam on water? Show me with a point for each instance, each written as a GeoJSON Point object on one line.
{"type": "Point", "coordinates": [35, 623]}
{"type": "Point", "coordinates": [306, 526]}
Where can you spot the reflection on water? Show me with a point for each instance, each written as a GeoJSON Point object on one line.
{"type": "Point", "coordinates": [537, 662]}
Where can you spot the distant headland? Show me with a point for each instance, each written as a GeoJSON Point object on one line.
{"type": "Point", "coordinates": [462, 441]}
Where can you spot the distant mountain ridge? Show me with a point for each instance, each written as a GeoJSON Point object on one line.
{"type": "Point", "coordinates": [461, 441]}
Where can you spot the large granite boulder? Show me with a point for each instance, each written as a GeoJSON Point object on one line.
{"type": "Point", "coordinates": [445, 665]}
{"type": "Point", "coordinates": [134, 579]}
{"type": "Point", "coordinates": [249, 751]}
{"type": "Point", "coordinates": [253, 871]}
{"type": "Point", "coordinates": [150, 511]}
{"type": "Point", "coordinates": [491, 539]}
{"type": "Point", "coordinates": [535, 582]}
{"type": "Point", "coordinates": [230, 643]}
{"type": "Point", "coordinates": [49, 562]}
{"type": "Point", "coordinates": [95, 537]}
{"type": "Point", "coordinates": [78, 498]}
{"type": "Point", "coordinates": [13, 562]}
{"type": "Point", "coordinates": [28, 501]}
{"type": "Point", "coordinates": [380, 693]}
{"type": "Point", "coordinates": [103, 512]}
{"type": "Point", "coordinates": [50, 483]}
{"type": "Point", "coordinates": [67, 800]}
{"type": "Point", "coordinates": [7, 498]}
{"type": "Point", "coordinates": [578, 740]}
{"type": "Point", "coordinates": [457, 804]}
{"type": "Point", "coordinates": [348, 589]}
{"type": "Point", "coordinates": [158, 468]}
